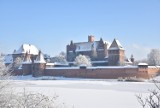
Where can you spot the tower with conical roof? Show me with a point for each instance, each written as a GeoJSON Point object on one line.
{"type": "Point", "coordinates": [116, 54]}
{"type": "Point", "coordinates": [39, 65]}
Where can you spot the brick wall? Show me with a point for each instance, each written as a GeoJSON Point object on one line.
{"type": "Point", "coordinates": [26, 69]}
{"type": "Point", "coordinates": [107, 73]}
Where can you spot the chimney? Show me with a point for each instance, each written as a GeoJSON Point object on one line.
{"type": "Point", "coordinates": [90, 38]}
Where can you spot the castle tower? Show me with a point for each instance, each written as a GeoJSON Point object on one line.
{"type": "Point", "coordinates": [116, 54]}
{"type": "Point", "coordinates": [90, 38]}
{"type": "Point", "coordinates": [39, 65]}
{"type": "Point", "coordinates": [27, 65]}
{"type": "Point", "coordinates": [71, 55]}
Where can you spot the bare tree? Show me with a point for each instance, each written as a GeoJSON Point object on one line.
{"type": "Point", "coordinates": [4, 76]}
{"type": "Point", "coordinates": [83, 60]}
{"type": "Point", "coordinates": [18, 62]}
{"type": "Point", "coordinates": [61, 58]}
{"type": "Point", "coordinates": [4, 70]}
{"type": "Point", "coordinates": [140, 61]}
{"type": "Point", "coordinates": [10, 99]}
{"type": "Point", "coordinates": [152, 100]}
{"type": "Point", "coordinates": [26, 99]}
{"type": "Point", "coordinates": [154, 57]}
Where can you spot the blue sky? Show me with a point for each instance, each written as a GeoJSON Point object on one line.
{"type": "Point", "coordinates": [51, 24]}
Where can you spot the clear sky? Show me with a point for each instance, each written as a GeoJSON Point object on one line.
{"type": "Point", "coordinates": [52, 24]}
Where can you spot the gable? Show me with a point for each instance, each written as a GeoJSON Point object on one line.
{"type": "Point", "coordinates": [115, 45]}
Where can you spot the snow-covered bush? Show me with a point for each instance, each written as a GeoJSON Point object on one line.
{"type": "Point", "coordinates": [82, 60]}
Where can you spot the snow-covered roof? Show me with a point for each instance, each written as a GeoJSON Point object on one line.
{"type": "Point", "coordinates": [58, 63]}
{"type": "Point", "coordinates": [50, 64]}
{"type": "Point", "coordinates": [27, 59]}
{"type": "Point", "coordinates": [88, 46]}
{"type": "Point", "coordinates": [144, 64]}
{"type": "Point", "coordinates": [99, 61]}
{"type": "Point", "coordinates": [40, 58]}
{"type": "Point", "coordinates": [154, 67]}
{"type": "Point", "coordinates": [31, 49]}
{"type": "Point", "coordinates": [128, 61]}
{"type": "Point", "coordinates": [116, 45]}
{"type": "Point", "coordinates": [8, 58]}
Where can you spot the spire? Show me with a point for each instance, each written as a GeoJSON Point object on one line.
{"type": "Point", "coordinates": [71, 42]}
{"type": "Point", "coordinates": [40, 58]}
{"type": "Point", "coordinates": [101, 39]}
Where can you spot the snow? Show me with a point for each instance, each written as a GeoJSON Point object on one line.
{"type": "Point", "coordinates": [40, 59]}
{"type": "Point", "coordinates": [87, 46]}
{"type": "Point", "coordinates": [62, 68]}
{"type": "Point", "coordinates": [86, 93]}
{"type": "Point", "coordinates": [31, 49]}
{"type": "Point", "coordinates": [142, 64]}
{"type": "Point", "coordinates": [119, 46]}
{"type": "Point", "coordinates": [97, 67]}
{"type": "Point", "coordinates": [50, 64]}
{"type": "Point", "coordinates": [153, 66]}
{"type": "Point", "coordinates": [99, 61]}
{"type": "Point", "coordinates": [27, 62]}
{"type": "Point", "coordinates": [8, 58]}
{"type": "Point", "coordinates": [118, 43]}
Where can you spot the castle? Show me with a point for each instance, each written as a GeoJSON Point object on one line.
{"type": "Point", "coordinates": [35, 64]}
{"type": "Point", "coordinates": [101, 52]}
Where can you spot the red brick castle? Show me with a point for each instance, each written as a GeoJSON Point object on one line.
{"type": "Point", "coordinates": [101, 52]}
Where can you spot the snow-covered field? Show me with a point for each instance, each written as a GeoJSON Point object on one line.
{"type": "Point", "coordinates": [87, 93]}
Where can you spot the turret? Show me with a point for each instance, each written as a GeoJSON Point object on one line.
{"type": "Point", "coordinates": [27, 65]}
{"type": "Point", "coordinates": [90, 38]}
{"type": "Point", "coordinates": [116, 54]}
{"type": "Point", "coordinates": [39, 65]}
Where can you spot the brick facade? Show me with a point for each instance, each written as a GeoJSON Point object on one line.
{"type": "Point", "coordinates": [113, 72]}
{"type": "Point", "coordinates": [96, 50]}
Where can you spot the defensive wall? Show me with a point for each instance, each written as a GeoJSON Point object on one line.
{"type": "Point", "coordinates": [97, 72]}
{"type": "Point", "coordinates": [110, 72]}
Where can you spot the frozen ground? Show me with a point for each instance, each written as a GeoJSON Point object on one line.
{"type": "Point", "coordinates": [87, 93]}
